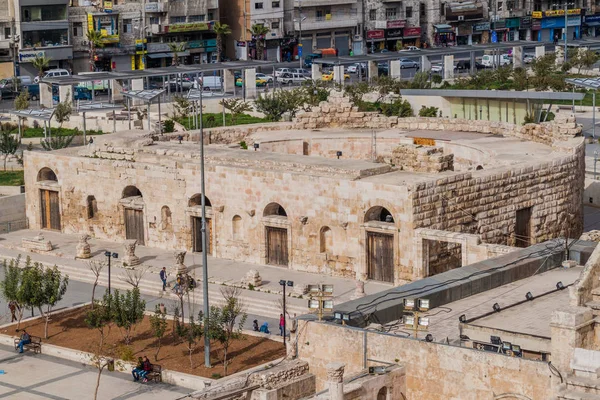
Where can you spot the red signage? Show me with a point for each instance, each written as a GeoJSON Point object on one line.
{"type": "Point", "coordinates": [412, 31]}
{"type": "Point", "coordinates": [378, 34]}
{"type": "Point", "coordinates": [395, 24]}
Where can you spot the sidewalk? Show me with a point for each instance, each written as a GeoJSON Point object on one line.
{"type": "Point", "coordinates": [221, 272]}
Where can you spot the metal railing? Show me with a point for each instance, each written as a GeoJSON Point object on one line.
{"type": "Point", "coordinates": [12, 226]}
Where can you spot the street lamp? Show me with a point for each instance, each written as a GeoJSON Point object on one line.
{"type": "Point", "coordinates": [110, 255]}
{"type": "Point", "coordinates": [285, 283]}
{"type": "Point", "coordinates": [595, 161]}
{"type": "Point", "coordinates": [300, 19]}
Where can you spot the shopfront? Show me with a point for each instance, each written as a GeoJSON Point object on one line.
{"type": "Point", "coordinates": [411, 36]}
{"type": "Point", "coordinates": [443, 35]}
{"type": "Point", "coordinates": [499, 32]}
{"type": "Point", "coordinates": [512, 25]}
{"type": "Point", "coordinates": [553, 25]}
{"type": "Point", "coordinates": [536, 28]}
{"type": "Point", "coordinates": [393, 35]}
{"type": "Point", "coordinates": [525, 28]}
{"type": "Point", "coordinates": [464, 34]}
{"type": "Point", "coordinates": [591, 25]}
{"type": "Point", "coordinates": [481, 33]}
{"type": "Point", "coordinates": [376, 40]}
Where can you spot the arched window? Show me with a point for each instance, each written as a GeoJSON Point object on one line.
{"type": "Point", "coordinates": [379, 214]}
{"type": "Point", "coordinates": [46, 174]}
{"type": "Point", "coordinates": [236, 227]}
{"type": "Point", "coordinates": [196, 201]}
{"type": "Point", "coordinates": [92, 207]}
{"type": "Point", "coordinates": [131, 191]}
{"type": "Point", "coordinates": [326, 239]}
{"type": "Point", "coordinates": [165, 218]}
{"type": "Point", "coordinates": [274, 210]}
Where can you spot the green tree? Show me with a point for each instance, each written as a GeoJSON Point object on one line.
{"type": "Point", "coordinates": [520, 80]}
{"type": "Point", "coordinates": [99, 318]}
{"type": "Point", "coordinates": [398, 107]}
{"type": "Point", "coordinates": [63, 110]}
{"type": "Point", "coordinates": [127, 310]}
{"type": "Point", "coordinates": [52, 288]}
{"type": "Point", "coordinates": [236, 107]}
{"type": "Point", "coordinates": [176, 48]}
{"type": "Point", "coordinates": [181, 107]}
{"type": "Point", "coordinates": [22, 103]}
{"type": "Point", "coordinates": [356, 92]}
{"type": "Point", "coordinates": [225, 323]}
{"type": "Point", "coordinates": [96, 268]}
{"type": "Point", "coordinates": [420, 81]}
{"type": "Point", "coordinates": [190, 334]}
{"type": "Point", "coordinates": [221, 30]}
{"type": "Point", "coordinates": [8, 145]}
{"type": "Point", "coordinates": [94, 39]}
{"type": "Point", "coordinates": [258, 32]}
{"type": "Point", "coordinates": [316, 92]}
{"type": "Point", "coordinates": [56, 142]}
{"type": "Point", "coordinates": [428, 111]}
{"type": "Point", "coordinates": [41, 63]}
{"type": "Point", "coordinates": [158, 325]}
{"type": "Point", "coordinates": [11, 288]}
{"type": "Point", "coordinates": [272, 107]}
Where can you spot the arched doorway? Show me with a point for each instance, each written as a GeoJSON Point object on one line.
{"type": "Point", "coordinates": [382, 394]}
{"type": "Point", "coordinates": [380, 244]}
{"type": "Point", "coordinates": [276, 236]}
{"type": "Point", "coordinates": [133, 206]}
{"type": "Point", "coordinates": [49, 200]}
{"type": "Point", "coordinates": [195, 206]}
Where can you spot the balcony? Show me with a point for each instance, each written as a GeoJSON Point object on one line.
{"type": "Point", "coordinates": [315, 3]}
{"type": "Point", "coordinates": [332, 21]}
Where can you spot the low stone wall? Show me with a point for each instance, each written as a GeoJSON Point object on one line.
{"type": "Point", "coordinates": [410, 157]}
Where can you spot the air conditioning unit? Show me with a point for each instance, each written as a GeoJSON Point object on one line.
{"type": "Point", "coordinates": [529, 13]}
{"type": "Point", "coordinates": [156, 28]}
{"type": "Point", "coordinates": [461, 17]}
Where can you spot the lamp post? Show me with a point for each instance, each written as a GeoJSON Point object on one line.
{"type": "Point", "coordinates": [204, 241]}
{"type": "Point", "coordinates": [283, 283]}
{"type": "Point", "coordinates": [300, 56]}
{"type": "Point", "coordinates": [595, 161]}
{"type": "Point", "coordinates": [110, 255]}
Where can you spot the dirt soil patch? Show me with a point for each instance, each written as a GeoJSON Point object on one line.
{"type": "Point", "coordinates": [68, 329]}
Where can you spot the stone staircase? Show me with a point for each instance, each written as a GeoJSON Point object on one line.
{"type": "Point", "coordinates": [584, 381]}
{"type": "Point", "coordinates": [595, 303]}
{"type": "Point", "coordinates": [256, 303]}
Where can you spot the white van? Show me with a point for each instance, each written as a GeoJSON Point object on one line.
{"type": "Point", "coordinates": [489, 60]}
{"type": "Point", "coordinates": [210, 83]}
{"type": "Point", "coordinates": [52, 73]}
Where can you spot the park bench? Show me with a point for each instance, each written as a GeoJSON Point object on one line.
{"type": "Point", "coordinates": [35, 344]}
{"type": "Point", "coordinates": [156, 373]}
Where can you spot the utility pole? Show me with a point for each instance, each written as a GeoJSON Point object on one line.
{"type": "Point", "coordinates": [566, 28]}
{"type": "Point", "coordinates": [300, 30]}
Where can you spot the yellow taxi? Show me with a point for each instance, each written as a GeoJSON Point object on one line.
{"type": "Point", "coordinates": [259, 82]}
{"type": "Point", "coordinates": [329, 76]}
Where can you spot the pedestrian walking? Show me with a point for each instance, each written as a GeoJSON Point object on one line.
{"type": "Point", "coordinates": [574, 35]}
{"type": "Point", "coordinates": [163, 278]}
{"type": "Point", "coordinates": [12, 306]}
{"type": "Point", "coordinates": [555, 39]}
{"type": "Point", "coordinates": [281, 324]}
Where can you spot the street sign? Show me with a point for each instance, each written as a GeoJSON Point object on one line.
{"type": "Point", "coordinates": [494, 37]}
{"type": "Point", "coordinates": [299, 49]}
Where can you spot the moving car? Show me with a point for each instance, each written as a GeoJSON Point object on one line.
{"type": "Point", "coordinates": [268, 78]}
{"type": "Point", "coordinates": [528, 58]}
{"type": "Point", "coordinates": [301, 71]}
{"type": "Point", "coordinates": [287, 79]}
{"type": "Point", "coordinates": [259, 82]}
{"type": "Point", "coordinates": [489, 60]}
{"type": "Point", "coordinates": [52, 73]}
{"type": "Point", "coordinates": [410, 48]}
{"type": "Point", "coordinates": [329, 76]}
{"type": "Point", "coordinates": [436, 68]}
{"type": "Point", "coordinates": [280, 71]}
{"type": "Point", "coordinates": [465, 65]}
{"type": "Point", "coordinates": [354, 68]}
{"type": "Point", "coordinates": [406, 63]}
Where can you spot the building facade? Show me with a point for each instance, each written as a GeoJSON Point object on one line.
{"type": "Point", "coordinates": [392, 25]}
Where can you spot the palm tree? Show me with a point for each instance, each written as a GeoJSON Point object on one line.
{"type": "Point", "coordinates": [95, 40]}
{"type": "Point", "coordinates": [175, 49]}
{"type": "Point", "coordinates": [221, 30]}
{"type": "Point", "coordinates": [41, 63]}
{"type": "Point", "coordinates": [258, 32]}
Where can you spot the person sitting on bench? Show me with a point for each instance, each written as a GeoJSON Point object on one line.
{"type": "Point", "coordinates": [138, 369]}
{"type": "Point", "coordinates": [25, 339]}
{"type": "Point", "coordinates": [264, 328]}
{"type": "Point", "coordinates": [147, 369]}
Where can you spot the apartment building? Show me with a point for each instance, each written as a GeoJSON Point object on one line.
{"type": "Point", "coordinates": [8, 46]}
{"type": "Point", "coordinates": [392, 25]}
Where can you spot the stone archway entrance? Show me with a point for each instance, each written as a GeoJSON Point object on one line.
{"type": "Point", "coordinates": [195, 208]}
{"type": "Point", "coordinates": [133, 208]}
{"type": "Point", "coordinates": [276, 232]}
{"type": "Point", "coordinates": [380, 244]}
{"type": "Point", "coordinates": [49, 204]}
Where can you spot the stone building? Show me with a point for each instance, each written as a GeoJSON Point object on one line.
{"type": "Point", "coordinates": [337, 201]}
{"type": "Point", "coordinates": [393, 25]}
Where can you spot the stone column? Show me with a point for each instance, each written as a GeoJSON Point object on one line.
{"type": "Point", "coordinates": [517, 56]}
{"type": "Point", "coordinates": [250, 82]}
{"type": "Point", "coordinates": [372, 70]}
{"type": "Point", "coordinates": [229, 81]}
{"type": "Point", "coordinates": [46, 95]}
{"type": "Point", "coordinates": [180, 268]}
{"type": "Point", "coordinates": [338, 74]}
{"type": "Point", "coordinates": [335, 380]}
{"type": "Point", "coordinates": [540, 51]}
{"type": "Point", "coordinates": [449, 67]}
{"type": "Point", "coordinates": [64, 92]}
{"type": "Point", "coordinates": [395, 71]}
{"type": "Point", "coordinates": [316, 71]}
{"type": "Point", "coordinates": [117, 91]}
{"type": "Point", "coordinates": [130, 259]}
{"type": "Point", "coordinates": [83, 247]}
{"type": "Point", "coordinates": [425, 63]}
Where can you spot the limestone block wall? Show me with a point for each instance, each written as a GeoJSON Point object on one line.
{"type": "Point", "coordinates": [12, 208]}
{"type": "Point", "coordinates": [409, 157]}
{"type": "Point", "coordinates": [434, 371]}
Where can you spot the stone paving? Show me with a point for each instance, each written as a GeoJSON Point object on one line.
{"type": "Point", "coordinates": [37, 376]}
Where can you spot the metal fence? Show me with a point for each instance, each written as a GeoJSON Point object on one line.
{"type": "Point", "coordinates": [12, 226]}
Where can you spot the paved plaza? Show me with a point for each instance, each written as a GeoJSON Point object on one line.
{"type": "Point", "coordinates": [31, 376]}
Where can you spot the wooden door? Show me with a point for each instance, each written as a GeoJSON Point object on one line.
{"type": "Point", "coordinates": [277, 246]}
{"type": "Point", "coordinates": [523, 228]}
{"type": "Point", "coordinates": [134, 225]}
{"type": "Point", "coordinates": [50, 210]}
{"type": "Point", "coordinates": [380, 256]}
{"type": "Point", "coordinates": [197, 234]}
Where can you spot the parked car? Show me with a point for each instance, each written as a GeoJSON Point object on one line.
{"type": "Point", "coordinates": [436, 68]}
{"type": "Point", "coordinates": [185, 82]}
{"type": "Point", "coordinates": [287, 79]}
{"type": "Point", "coordinates": [34, 91]}
{"type": "Point", "coordinates": [281, 71]}
{"type": "Point", "coordinates": [329, 76]}
{"type": "Point", "coordinates": [354, 68]}
{"type": "Point", "coordinates": [53, 73]}
{"type": "Point", "coordinates": [268, 78]}
{"type": "Point", "coordinates": [465, 65]}
{"type": "Point", "coordinates": [528, 58]}
{"type": "Point", "coordinates": [383, 69]}
{"type": "Point", "coordinates": [406, 63]}
{"type": "Point", "coordinates": [210, 83]}
{"type": "Point", "coordinates": [489, 60]}
{"type": "Point", "coordinates": [410, 48]}
{"type": "Point", "coordinates": [302, 71]}
{"type": "Point", "coordinates": [259, 82]}
{"type": "Point", "coordinates": [8, 92]}
{"type": "Point", "coordinates": [79, 93]}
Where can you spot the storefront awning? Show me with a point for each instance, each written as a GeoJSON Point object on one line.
{"type": "Point", "coordinates": [443, 28]}
{"type": "Point", "coordinates": [157, 55]}
{"type": "Point", "coordinates": [594, 23]}
{"type": "Point", "coordinates": [170, 55]}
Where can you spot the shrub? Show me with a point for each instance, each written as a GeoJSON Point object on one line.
{"type": "Point", "coordinates": [549, 118]}
{"type": "Point", "coordinates": [244, 145]}
{"type": "Point", "coordinates": [428, 111]}
{"type": "Point", "coordinates": [399, 107]}
{"type": "Point", "coordinates": [125, 353]}
{"type": "Point", "coordinates": [169, 126]}
{"type": "Point", "coordinates": [437, 79]}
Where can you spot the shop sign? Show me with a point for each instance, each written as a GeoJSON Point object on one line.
{"type": "Point", "coordinates": [108, 6]}
{"type": "Point", "coordinates": [501, 24]}
{"type": "Point", "coordinates": [377, 34]}
{"type": "Point", "coordinates": [395, 24]}
{"type": "Point", "coordinates": [240, 44]}
{"type": "Point", "coordinates": [525, 22]}
{"type": "Point", "coordinates": [536, 24]}
{"type": "Point", "coordinates": [28, 56]}
{"type": "Point", "coordinates": [559, 22]}
{"type": "Point", "coordinates": [592, 18]}
{"type": "Point", "coordinates": [464, 30]}
{"type": "Point", "coordinates": [482, 26]}
{"type": "Point", "coordinates": [394, 33]}
{"type": "Point", "coordinates": [537, 14]}
{"type": "Point", "coordinates": [412, 31]}
{"type": "Point", "coordinates": [194, 26]}
{"type": "Point", "coordinates": [558, 13]}
{"type": "Point", "coordinates": [512, 23]}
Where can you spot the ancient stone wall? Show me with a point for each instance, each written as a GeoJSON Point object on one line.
{"type": "Point", "coordinates": [434, 371]}
{"type": "Point", "coordinates": [410, 157]}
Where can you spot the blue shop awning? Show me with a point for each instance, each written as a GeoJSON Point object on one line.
{"type": "Point", "coordinates": [443, 28]}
